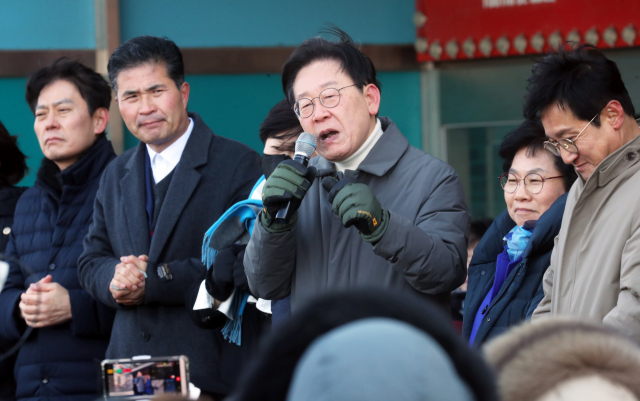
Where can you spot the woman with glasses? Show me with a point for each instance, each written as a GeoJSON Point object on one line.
{"type": "Point", "coordinates": [505, 274]}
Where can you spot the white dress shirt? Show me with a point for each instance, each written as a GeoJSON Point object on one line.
{"type": "Point", "coordinates": [164, 162]}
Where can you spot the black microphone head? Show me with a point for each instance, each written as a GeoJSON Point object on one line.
{"type": "Point", "coordinates": [306, 144]}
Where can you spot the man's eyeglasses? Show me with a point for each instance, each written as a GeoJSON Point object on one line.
{"type": "Point", "coordinates": [533, 182]}
{"type": "Point", "coordinates": [329, 97]}
{"type": "Point", "coordinates": [567, 144]}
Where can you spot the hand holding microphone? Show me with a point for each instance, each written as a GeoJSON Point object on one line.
{"type": "Point", "coordinates": [286, 187]}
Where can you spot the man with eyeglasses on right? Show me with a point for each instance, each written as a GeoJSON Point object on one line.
{"type": "Point", "coordinates": [587, 114]}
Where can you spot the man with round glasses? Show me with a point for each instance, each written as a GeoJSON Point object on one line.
{"type": "Point", "coordinates": [587, 115]}
{"type": "Point", "coordinates": [397, 219]}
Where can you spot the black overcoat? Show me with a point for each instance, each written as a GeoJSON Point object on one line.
{"type": "Point", "coordinates": [213, 174]}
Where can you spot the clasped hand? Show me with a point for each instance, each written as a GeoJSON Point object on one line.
{"type": "Point", "coordinates": [127, 285]}
{"type": "Point", "coordinates": [45, 304]}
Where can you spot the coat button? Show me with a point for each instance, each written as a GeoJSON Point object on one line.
{"type": "Point", "coordinates": [45, 380]}
{"type": "Point", "coordinates": [206, 319]}
{"type": "Point", "coordinates": [488, 319]}
{"type": "Point", "coordinates": [482, 273]}
{"type": "Point", "coordinates": [631, 156]}
{"type": "Point", "coordinates": [145, 336]}
{"type": "Point", "coordinates": [52, 266]}
{"type": "Point", "coordinates": [6, 230]}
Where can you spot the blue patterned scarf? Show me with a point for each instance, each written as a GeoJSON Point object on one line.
{"type": "Point", "coordinates": [517, 240]}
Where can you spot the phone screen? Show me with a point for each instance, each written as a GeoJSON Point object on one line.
{"type": "Point", "coordinates": [143, 378]}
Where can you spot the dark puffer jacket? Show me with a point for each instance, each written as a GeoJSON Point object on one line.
{"type": "Point", "coordinates": [522, 289]}
{"type": "Point", "coordinates": [57, 362]}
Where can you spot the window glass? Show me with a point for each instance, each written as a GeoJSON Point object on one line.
{"type": "Point", "coordinates": [472, 150]}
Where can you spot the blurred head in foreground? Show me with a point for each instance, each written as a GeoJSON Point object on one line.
{"type": "Point", "coordinates": [377, 340]}
{"type": "Point", "coordinates": [562, 359]}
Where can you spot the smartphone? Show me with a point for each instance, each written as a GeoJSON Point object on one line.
{"type": "Point", "coordinates": [141, 378]}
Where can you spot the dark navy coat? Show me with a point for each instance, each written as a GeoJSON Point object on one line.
{"type": "Point", "coordinates": [522, 290]}
{"type": "Point", "coordinates": [57, 362]}
{"type": "Point", "coordinates": [213, 174]}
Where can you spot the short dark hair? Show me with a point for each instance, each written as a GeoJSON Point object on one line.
{"type": "Point", "coordinates": [530, 135]}
{"type": "Point", "coordinates": [580, 78]}
{"type": "Point", "coordinates": [13, 163]}
{"type": "Point", "coordinates": [147, 50]}
{"type": "Point", "coordinates": [477, 230]}
{"type": "Point", "coordinates": [355, 63]}
{"type": "Point", "coordinates": [92, 87]}
{"type": "Point", "coordinates": [281, 122]}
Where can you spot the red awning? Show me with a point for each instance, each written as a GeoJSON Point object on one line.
{"type": "Point", "coordinates": [464, 29]}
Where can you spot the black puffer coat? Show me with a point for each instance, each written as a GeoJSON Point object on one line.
{"type": "Point", "coordinates": [57, 362]}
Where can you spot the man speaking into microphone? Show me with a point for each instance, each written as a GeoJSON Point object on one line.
{"type": "Point", "coordinates": [398, 218]}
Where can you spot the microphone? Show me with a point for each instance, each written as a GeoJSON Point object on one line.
{"type": "Point", "coordinates": [305, 146]}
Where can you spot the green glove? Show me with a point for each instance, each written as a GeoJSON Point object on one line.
{"type": "Point", "coordinates": [289, 182]}
{"type": "Point", "coordinates": [356, 205]}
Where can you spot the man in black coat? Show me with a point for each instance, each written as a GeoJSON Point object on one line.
{"type": "Point", "coordinates": [42, 296]}
{"type": "Point", "coordinates": [155, 203]}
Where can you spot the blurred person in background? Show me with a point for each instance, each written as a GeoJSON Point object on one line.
{"type": "Point", "coordinates": [13, 167]}
{"type": "Point", "coordinates": [506, 272]}
{"type": "Point", "coordinates": [398, 218]}
{"type": "Point", "coordinates": [477, 230]}
{"type": "Point", "coordinates": [279, 132]}
{"type": "Point", "coordinates": [588, 118]}
{"type": "Point", "coordinates": [42, 293]}
{"type": "Point", "coordinates": [366, 345]}
{"type": "Point", "coordinates": [154, 206]}
{"type": "Point", "coordinates": [208, 302]}
{"type": "Point", "coordinates": [563, 359]}
{"type": "Point", "coordinates": [138, 384]}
